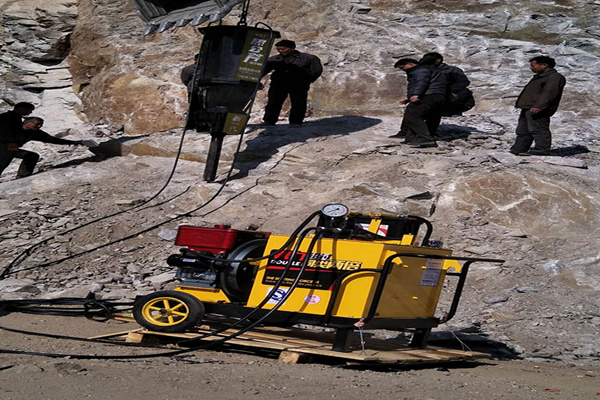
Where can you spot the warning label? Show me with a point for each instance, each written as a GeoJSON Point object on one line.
{"type": "Point", "coordinates": [321, 270]}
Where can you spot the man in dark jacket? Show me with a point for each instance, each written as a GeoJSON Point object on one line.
{"type": "Point", "coordinates": [10, 141]}
{"type": "Point", "coordinates": [460, 98]}
{"type": "Point", "coordinates": [293, 73]}
{"type": "Point", "coordinates": [187, 74]}
{"type": "Point", "coordinates": [538, 101]}
{"type": "Point", "coordinates": [12, 121]}
{"type": "Point", "coordinates": [426, 92]}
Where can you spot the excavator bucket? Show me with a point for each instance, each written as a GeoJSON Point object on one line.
{"type": "Point", "coordinates": [161, 15]}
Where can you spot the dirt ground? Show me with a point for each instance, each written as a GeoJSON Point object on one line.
{"type": "Point", "coordinates": [229, 374]}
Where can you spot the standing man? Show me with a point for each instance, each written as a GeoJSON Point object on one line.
{"type": "Point", "coordinates": [459, 98]}
{"type": "Point", "coordinates": [187, 74]}
{"type": "Point", "coordinates": [538, 101]}
{"type": "Point", "coordinates": [426, 92]}
{"type": "Point", "coordinates": [29, 131]}
{"type": "Point", "coordinates": [293, 72]}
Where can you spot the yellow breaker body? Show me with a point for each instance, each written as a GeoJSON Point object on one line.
{"type": "Point", "coordinates": [412, 288]}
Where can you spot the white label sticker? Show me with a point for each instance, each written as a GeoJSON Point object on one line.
{"type": "Point", "coordinates": [431, 275]}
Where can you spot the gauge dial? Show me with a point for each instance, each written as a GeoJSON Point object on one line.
{"type": "Point", "coordinates": [334, 210]}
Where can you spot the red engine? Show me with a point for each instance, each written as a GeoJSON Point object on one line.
{"type": "Point", "coordinates": [215, 258]}
{"type": "Point", "coordinates": [220, 239]}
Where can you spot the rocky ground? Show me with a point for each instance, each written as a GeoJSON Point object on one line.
{"type": "Point", "coordinates": [225, 375]}
{"type": "Point", "coordinates": [102, 223]}
{"type": "Point", "coordinates": [538, 309]}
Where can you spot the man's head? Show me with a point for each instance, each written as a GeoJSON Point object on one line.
{"type": "Point", "coordinates": [33, 123]}
{"type": "Point", "coordinates": [24, 108]}
{"type": "Point", "coordinates": [541, 64]}
{"type": "Point", "coordinates": [406, 63]}
{"type": "Point", "coordinates": [285, 47]}
{"type": "Point", "coordinates": [432, 58]}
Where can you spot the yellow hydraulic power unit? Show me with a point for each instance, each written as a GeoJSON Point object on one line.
{"type": "Point", "coordinates": [348, 271]}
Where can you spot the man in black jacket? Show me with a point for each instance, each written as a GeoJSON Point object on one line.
{"type": "Point", "coordinates": [459, 98]}
{"type": "Point", "coordinates": [10, 141]}
{"type": "Point", "coordinates": [12, 121]}
{"type": "Point", "coordinates": [426, 92]}
{"type": "Point", "coordinates": [293, 73]}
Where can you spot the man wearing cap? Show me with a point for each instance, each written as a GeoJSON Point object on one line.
{"type": "Point", "coordinates": [292, 74]}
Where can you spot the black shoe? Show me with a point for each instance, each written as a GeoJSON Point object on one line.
{"type": "Point", "coordinates": [516, 153]}
{"type": "Point", "coordinates": [422, 145]}
{"type": "Point", "coordinates": [266, 123]}
{"type": "Point", "coordinates": [536, 152]}
{"type": "Point", "coordinates": [398, 135]}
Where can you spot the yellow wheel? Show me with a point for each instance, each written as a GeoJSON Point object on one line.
{"type": "Point", "coordinates": [168, 311]}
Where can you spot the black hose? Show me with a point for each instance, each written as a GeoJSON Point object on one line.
{"type": "Point", "coordinates": [106, 310]}
{"type": "Point", "coordinates": [20, 258]}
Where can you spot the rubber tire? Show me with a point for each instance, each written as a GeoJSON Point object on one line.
{"type": "Point", "coordinates": [149, 311]}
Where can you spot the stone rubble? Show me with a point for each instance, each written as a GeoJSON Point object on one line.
{"type": "Point", "coordinates": [81, 61]}
{"type": "Point", "coordinates": [532, 304]}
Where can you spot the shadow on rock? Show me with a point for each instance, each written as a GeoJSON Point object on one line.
{"type": "Point", "coordinates": [569, 151]}
{"type": "Point", "coordinates": [472, 342]}
{"type": "Point", "coordinates": [272, 138]}
{"type": "Point", "coordinates": [108, 149]}
{"type": "Point", "coordinates": [450, 132]}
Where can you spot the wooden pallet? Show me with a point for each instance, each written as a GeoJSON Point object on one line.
{"type": "Point", "coordinates": [298, 345]}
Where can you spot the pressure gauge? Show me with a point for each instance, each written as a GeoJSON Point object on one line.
{"type": "Point", "coordinates": [334, 210]}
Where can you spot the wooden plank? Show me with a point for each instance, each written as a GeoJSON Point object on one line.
{"type": "Point", "coordinates": [291, 357]}
{"type": "Point", "coordinates": [135, 337]}
{"type": "Point", "coordinates": [112, 335]}
{"type": "Point", "coordinates": [295, 349]}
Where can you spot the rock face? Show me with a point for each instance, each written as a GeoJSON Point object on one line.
{"type": "Point", "coordinates": [121, 77]}
{"type": "Point", "coordinates": [92, 73]}
{"type": "Point", "coordinates": [517, 201]}
{"type": "Point", "coordinates": [35, 40]}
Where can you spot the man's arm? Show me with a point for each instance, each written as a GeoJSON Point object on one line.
{"type": "Point", "coordinates": [315, 68]}
{"type": "Point", "coordinates": [420, 77]}
{"type": "Point", "coordinates": [187, 74]}
{"type": "Point", "coordinates": [459, 80]}
{"type": "Point", "coordinates": [549, 93]}
{"type": "Point", "coordinates": [269, 66]}
{"type": "Point", "coordinates": [44, 137]}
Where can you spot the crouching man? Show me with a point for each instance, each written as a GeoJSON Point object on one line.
{"type": "Point", "coordinates": [10, 145]}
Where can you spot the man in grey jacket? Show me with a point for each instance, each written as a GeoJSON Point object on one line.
{"type": "Point", "coordinates": [538, 101]}
{"type": "Point", "coordinates": [426, 93]}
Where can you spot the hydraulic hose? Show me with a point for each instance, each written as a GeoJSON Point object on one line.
{"type": "Point", "coordinates": [292, 287]}
{"type": "Point", "coordinates": [22, 256]}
